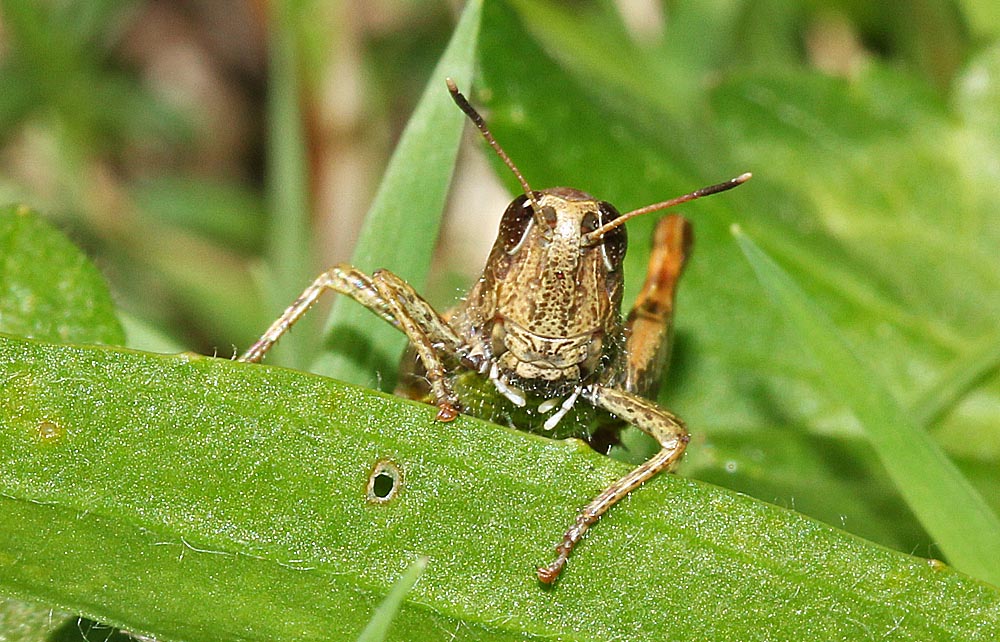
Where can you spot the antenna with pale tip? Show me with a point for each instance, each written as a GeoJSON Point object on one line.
{"type": "Point", "coordinates": [480, 124]}
{"type": "Point", "coordinates": [594, 237]}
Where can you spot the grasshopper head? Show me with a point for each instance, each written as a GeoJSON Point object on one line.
{"type": "Point", "coordinates": [549, 300]}
{"type": "Point", "coordinates": [553, 296]}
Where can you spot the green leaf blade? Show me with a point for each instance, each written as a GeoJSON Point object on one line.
{"type": "Point", "coordinates": [238, 493]}
{"type": "Point", "coordinates": [288, 171]}
{"type": "Point", "coordinates": [48, 288]}
{"type": "Point", "coordinates": [378, 628]}
{"type": "Point", "coordinates": [963, 526]}
{"type": "Point", "coordinates": [401, 227]}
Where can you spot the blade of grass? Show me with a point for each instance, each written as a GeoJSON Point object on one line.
{"type": "Point", "coordinates": [401, 227]}
{"type": "Point", "coordinates": [947, 505]}
{"type": "Point", "coordinates": [289, 257]}
{"type": "Point", "coordinates": [982, 361]}
{"type": "Point", "coordinates": [378, 626]}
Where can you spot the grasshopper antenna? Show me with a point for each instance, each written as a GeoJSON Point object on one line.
{"type": "Point", "coordinates": [480, 124]}
{"type": "Point", "coordinates": [594, 237]}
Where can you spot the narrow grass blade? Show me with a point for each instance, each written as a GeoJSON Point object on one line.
{"type": "Point", "coordinates": [956, 382]}
{"type": "Point", "coordinates": [378, 626]}
{"type": "Point", "coordinates": [289, 238]}
{"type": "Point", "coordinates": [401, 227]}
{"type": "Point", "coordinates": [951, 510]}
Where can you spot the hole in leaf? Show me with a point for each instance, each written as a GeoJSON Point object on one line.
{"type": "Point", "coordinates": [384, 482]}
{"type": "Point", "coordinates": [383, 485]}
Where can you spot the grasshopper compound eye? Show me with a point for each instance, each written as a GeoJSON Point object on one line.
{"type": "Point", "coordinates": [515, 223]}
{"type": "Point", "coordinates": [615, 241]}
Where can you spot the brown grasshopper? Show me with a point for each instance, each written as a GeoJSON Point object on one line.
{"type": "Point", "coordinates": [542, 328]}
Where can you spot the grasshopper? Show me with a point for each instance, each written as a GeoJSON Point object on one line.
{"type": "Point", "coordinates": [542, 329]}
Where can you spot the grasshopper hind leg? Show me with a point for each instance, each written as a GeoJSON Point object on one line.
{"type": "Point", "coordinates": [650, 325]}
{"type": "Point", "coordinates": [670, 434]}
{"type": "Point", "coordinates": [649, 334]}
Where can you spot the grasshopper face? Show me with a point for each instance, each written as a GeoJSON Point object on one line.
{"type": "Point", "coordinates": [549, 301]}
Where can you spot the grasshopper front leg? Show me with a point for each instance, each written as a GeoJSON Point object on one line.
{"type": "Point", "coordinates": [392, 299]}
{"type": "Point", "coordinates": [340, 278]}
{"type": "Point", "coordinates": [665, 428]}
{"type": "Point", "coordinates": [427, 332]}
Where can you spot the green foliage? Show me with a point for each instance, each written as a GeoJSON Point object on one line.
{"type": "Point", "coordinates": [402, 224]}
{"type": "Point", "coordinates": [95, 146]}
{"type": "Point", "coordinates": [236, 493]}
{"type": "Point", "coordinates": [962, 524]}
{"type": "Point", "coordinates": [48, 289]}
{"type": "Point", "coordinates": [247, 517]}
{"type": "Point", "coordinates": [288, 171]}
{"type": "Point", "coordinates": [378, 627]}
{"type": "Point", "coordinates": [57, 68]}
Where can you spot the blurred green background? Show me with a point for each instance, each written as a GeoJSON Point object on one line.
{"type": "Point", "coordinates": [142, 129]}
{"type": "Point", "coordinates": [164, 138]}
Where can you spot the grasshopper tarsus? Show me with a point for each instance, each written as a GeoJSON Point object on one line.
{"type": "Point", "coordinates": [548, 574]}
{"type": "Point", "coordinates": [447, 413]}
